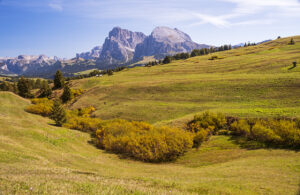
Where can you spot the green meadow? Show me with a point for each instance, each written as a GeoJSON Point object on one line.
{"type": "Point", "coordinates": [255, 81]}
{"type": "Point", "coordinates": [37, 157]}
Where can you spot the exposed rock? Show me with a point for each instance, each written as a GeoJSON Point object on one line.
{"type": "Point", "coordinates": [119, 46]}
{"type": "Point", "coordinates": [165, 41]}
{"type": "Point", "coordinates": [93, 54]}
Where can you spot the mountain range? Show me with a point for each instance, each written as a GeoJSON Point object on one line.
{"type": "Point", "coordinates": [121, 47]}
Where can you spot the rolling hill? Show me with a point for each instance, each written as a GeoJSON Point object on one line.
{"type": "Point", "coordinates": [249, 82]}
{"type": "Point", "coordinates": [38, 158]}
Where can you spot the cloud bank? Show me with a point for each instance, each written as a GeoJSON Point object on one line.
{"type": "Point", "coordinates": [189, 12]}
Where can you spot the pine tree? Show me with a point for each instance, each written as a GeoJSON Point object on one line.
{"type": "Point", "coordinates": [67, 95]}
{"type": "Point", "coordinates": [38, 84]}
{"type": "Point", "coordinates": [45, 91]}
{"type": "Point", "coordinates": [110, 72]}
{"type": "Point", "coordinates": [292, 42]}
{"type": "Point", "coordinates": [24, 87]}
{"type": "Point", "coordinates": [167, 60]}
{"type": "Point", "coordinates": [58, 113]}
{"type": "Point", "coordinates": [59, 80]}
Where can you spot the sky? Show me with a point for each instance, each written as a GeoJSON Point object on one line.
{"type": "Point", "coordinates": [65, 27]}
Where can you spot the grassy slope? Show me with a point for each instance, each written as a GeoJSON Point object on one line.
{"type": "Point", "coordinates": [252, 81]}
{"type": "Point", "coordinates": [52, 160]}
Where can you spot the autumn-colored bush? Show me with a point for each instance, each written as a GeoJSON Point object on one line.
{"type": "Point", "coordinates": [80, 119]}
{"type": "Point", "coordinates": [263, 133]}
{"type": "Point", "coordinates": [76, 92]}
{"type": "Point", "coordinates": [279, 132]}
{"type": "Point", "coordinates": [199, 138]}
{"type": "Point", "coordinates": [204, 125]}
{"type": "Point", "coordinates": [82, 123]}
{"type": "Point", "coordinates": [40, 106]}
{"type": "Point", "coordinates": [241, 128]}
{"type": "Point", "coordinates": [142, 141]}
{"type": "Point", "coordinates": [209, 121]}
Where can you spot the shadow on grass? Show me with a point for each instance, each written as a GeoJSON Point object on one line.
{"type": "Point", "coordinates": [291, 68]}
{"type": "Point", "coordinates": [254, 145]}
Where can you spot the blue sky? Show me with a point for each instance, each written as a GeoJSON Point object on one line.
{"type": "Point", "coordinates": [65, 27]}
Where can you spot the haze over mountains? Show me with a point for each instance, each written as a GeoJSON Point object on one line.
{"type": "Point", "coordinates": [121, 47]}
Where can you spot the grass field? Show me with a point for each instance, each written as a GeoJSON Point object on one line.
{"type": "Point", "coordinates": [38, 158]}
{"type": "Point", "coordinates": [256, 81]}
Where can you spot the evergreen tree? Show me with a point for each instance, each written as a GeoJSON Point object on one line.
{"type": "Point", "coordinates": [167, 60]}
{"type": "Point", "coordinates": [38, 84]}
{"type": "Point", "coordinates": [67, 94]}
{"type": "Point", "coordinates": [110, 72]}
{"type": "Point", "coordinates": [45, 91]}
{"type": "Point", "coordinates": [292, 42]}
{"type": "Point", "coordinates": [24, 87]}
{"type": "Point", "coordinates": [58, 113]}
{"type": "Point", "coordinates": [31, 84]}
{"type": "Point", "coordinates": [59, 80]}
{"type": "Point", "coordinates": [226, 47]}
{"type": "Point", "coordinates": [194, 53]}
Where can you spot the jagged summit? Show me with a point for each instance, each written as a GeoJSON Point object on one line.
{"type": "Point", "coordinates": [163, 33]}
{"type": "Point", "coordinates": [121, 47]}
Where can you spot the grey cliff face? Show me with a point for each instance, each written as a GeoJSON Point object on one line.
{"type": "Point", "coordinates": [24, 63]}
{"type": "Point", "coordinates": [90, 55]}
{"type": "Point", "coordinates": [166, 41]}
{"type": "Point", "coordinates": [120, 45]}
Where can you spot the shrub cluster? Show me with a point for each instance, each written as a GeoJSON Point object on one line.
{"type": "Point", "coordinates": [80, 119]}
{"type": "Point", "coordinates": [205, 125]}
{"type": "Point", "coordinates": [142, 141]}
{"type": "Point", "coordinates": [40, 106]}
{"type": "Point", "coordinates": [279, 132]}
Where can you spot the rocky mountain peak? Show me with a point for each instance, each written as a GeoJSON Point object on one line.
{"type": "Point", "coordinates": [162, 34]}
{"type": "Point", "coordinates": [120, 45]}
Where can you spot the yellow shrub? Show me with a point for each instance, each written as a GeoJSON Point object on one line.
{"type": "Point", "coordinates": [142, 141]}
{"type": "Point", "coordinates": [82, 123]}
{"type": "Point", "coordinates": [40, 106]}
{"type": "Point", "coordinates": [241, 128]}
{"type": "Point", "coordinates": [264, 134]}
{"type": "Point", "coordinates": [76, 92]}
{"type": "Point", "coordinates": [84, 112]}
{"type": "Point", "coordinates": [199, 138]}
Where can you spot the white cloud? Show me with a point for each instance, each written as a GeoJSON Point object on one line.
{"type": "Point", "coordinates": [56, 5]}
{"type": "Point", "coordinates": [173, 12]}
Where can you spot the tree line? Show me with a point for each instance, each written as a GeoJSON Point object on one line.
{"type": "Point", "coordinates": [183, 56]}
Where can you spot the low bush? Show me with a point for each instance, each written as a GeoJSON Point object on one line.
{"type": "Point", "coordinates": [142, 141]}
{"type": "Point", "coordinates": [40, 106]}
{"type": "Point", "coordinates": [208, 121]}
{"type": "Point", "coordinates": [199, 138]}
{"type": "Point", "coordinates": [76, 92]}
{"type": "Point", "coordinates": [204, 125]}
{"type": "Point", "coordinates": [279, 132]}
{"type": "Point", "coordinates": [80, 119]}
{"type": "Point", "coordinates": [262, 133]}
{"type": "Point", "coordinates": [241, 128]}
{"type": "Point", "coordinates": [84, 124]}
